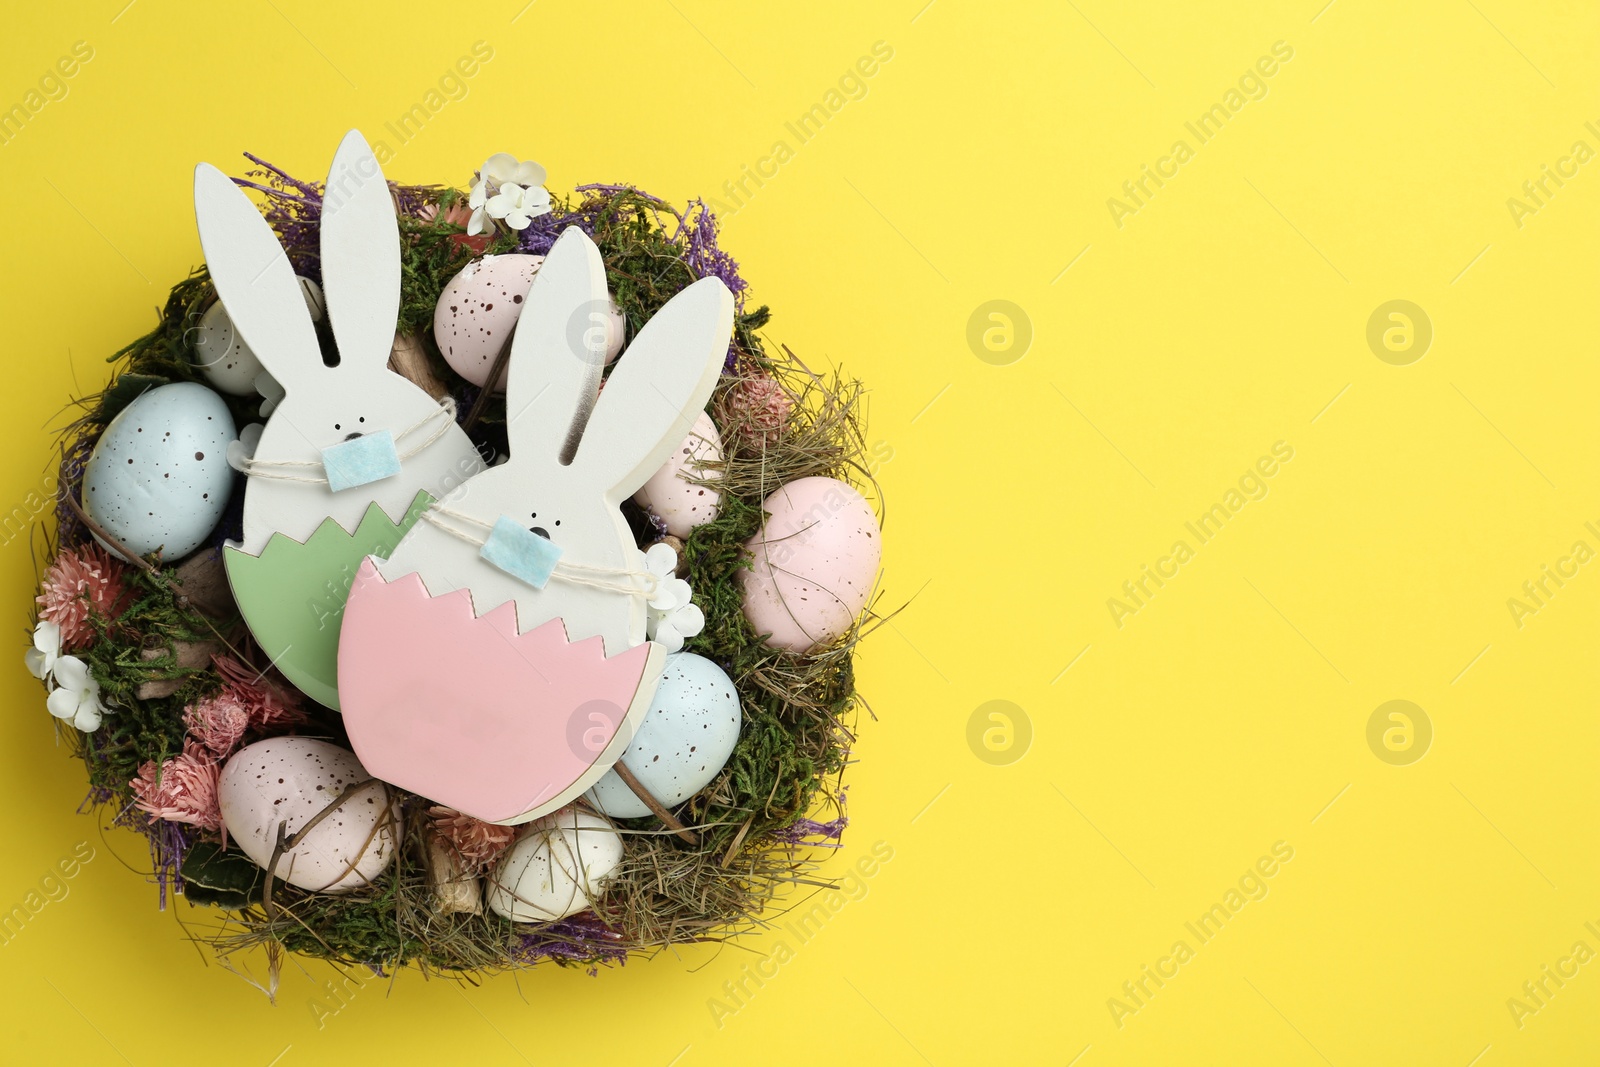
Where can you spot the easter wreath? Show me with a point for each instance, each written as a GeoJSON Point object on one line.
{"type": "Point", "coordinates": [165, 692]}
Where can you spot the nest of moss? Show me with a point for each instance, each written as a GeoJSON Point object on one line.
{"type": "Point", "coordinates": [757, 824]}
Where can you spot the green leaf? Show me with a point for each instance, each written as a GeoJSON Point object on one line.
{"type": "Point", "coordinates": [224, 879]}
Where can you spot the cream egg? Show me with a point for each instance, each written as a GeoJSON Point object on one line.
{"type": "Point", "coordinates": [557, 867]}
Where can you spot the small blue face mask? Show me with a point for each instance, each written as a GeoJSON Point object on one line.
{"type": "Point", "coordinates": [520, 552]}
{"type": "Point", "coordinates": [368, 458]}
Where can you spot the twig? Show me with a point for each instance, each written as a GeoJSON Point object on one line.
{"type": "Point", "coordinates": [669, 820]}
{"type": "Point", "coordinates": [100, 532]}
{"type": "Point", "coordinates": [501, 358]}
{"type": "Point", "coordinates": [286, 842]}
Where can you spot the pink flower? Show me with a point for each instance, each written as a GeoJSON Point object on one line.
{"type": "Point", "coordinates": [79, 581]}
{"type": "Point", "coordinates": [267, 704]}
{"type": "Point", "coordinates": [756, 407]}
{"type": "Point", "coordinates": [182, 789]}
{"type": "Point", "coordinates": [218, 723]}
{"type": "Point", "coordinates": [478, 843]}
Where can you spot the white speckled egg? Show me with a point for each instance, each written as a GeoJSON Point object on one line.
{"type": "Point", "coordinates": [480, 305]}
{"type": "Point", "coordinates": [223, 357]}
{"type": "Point", "coordinates": [289, 780]}
{"type": "Point", "coordinates": [669, 494]}
{"type": "Point", "coordinates": [159, 476]}
{"type": "Point", "coordinates": [684, 741]}
{"type": "Point", "coordinates": [557, 867]}
{"type": "Point", "coordinates": [816, 558]}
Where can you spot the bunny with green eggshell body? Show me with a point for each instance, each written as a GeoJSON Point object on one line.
{"type": "Point", "coordinates": [353, 450]}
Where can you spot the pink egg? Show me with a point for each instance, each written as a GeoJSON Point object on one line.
{"type": "Point", "coordinates": [480, 305]}
{"type": "Point", "coordinates": [476, 311]}
{"type": "Point", "coordinates": [671, 496]}
{"type": "Point", "coordinates": [815, 561]}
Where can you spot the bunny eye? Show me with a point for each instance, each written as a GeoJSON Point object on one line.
{"type": "Point", "coordinates": [336, 426]}
{"type": "Point", "coordinates": [362, 419]}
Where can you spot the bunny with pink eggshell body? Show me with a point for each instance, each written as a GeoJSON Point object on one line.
{"type": "Point", "coordinates": [351, 404]}
{"type": "Point", "coordinates": [502, 694]}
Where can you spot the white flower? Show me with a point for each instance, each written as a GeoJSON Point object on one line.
{"type": "Point", "coordinates": [507, 189]}
{"type": "Point", "coordinates": [503, 168]}
{"type": "Point", "coordinates": [41, 658]}
{"type": "Point", "coordinates": [672, 615]}
{"type": "Point", "coordinates": [76, 697]}
{"type": "Point", "coordinates": [518, 205]}
{"type": "Point", "coordinates": [476, 201]}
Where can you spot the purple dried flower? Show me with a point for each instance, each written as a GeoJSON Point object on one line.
{"type": "Point", "coordinates": [581, 937]}
{"type": "Point", "coordinates": [813, 833]}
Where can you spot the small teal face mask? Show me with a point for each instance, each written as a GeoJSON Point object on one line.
{"type": "Point", "coordinates": [368, 458]}
{"type": "Point", "coordinates": [520, 552]}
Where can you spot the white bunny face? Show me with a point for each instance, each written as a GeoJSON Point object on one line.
{"type": "Point", "coordinates": [348, 395]}
{"type": "Point", "coordinates": [577, 452]}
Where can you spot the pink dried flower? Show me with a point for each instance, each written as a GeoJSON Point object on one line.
{"type": "Point", "coordinates": [218, 723]}
{"type": "Point", "coordinates": [479, 843]}
{"type": "Point", "coordinates": [182, 789]}
{"type": "Point", "coordinates": [81, 580]}
{"type": "Point", "coordinates": [757, 407]}
{"type": "Point", "coordinates": [268, 704]}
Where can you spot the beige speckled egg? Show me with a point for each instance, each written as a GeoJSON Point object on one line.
{"type": "Point", "coordinates": [289, 780]}
{"type": "Point", "coordinates": [671, 496]}
{"type": "Point", "coordinates": [816, 558]}
{"type": "Point", "coordinates": [223, 357]}
{"type": "Point", "coordinates": [557, 867]}
{"type": "Point", "coordinates": [480, 305]}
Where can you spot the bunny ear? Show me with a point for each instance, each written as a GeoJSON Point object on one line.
{"type": "Point", "coordinates": [660, 386]}
{"type": "Point", "coordinates": [558, 351]}
{"type": "Point", "coordinates": [360, 255]}
{"type": "Point", "coordinates": [253, 277]}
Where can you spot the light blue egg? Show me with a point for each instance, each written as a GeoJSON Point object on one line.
{"type": "Point", "coordinates": [684, 742]}
{"type": "Point", "coordinates": [159, 476]}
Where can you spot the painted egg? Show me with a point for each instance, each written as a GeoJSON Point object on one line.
{"type": "Point", "coordinates": [159, 476]}
{"type": "Point", "coordinates": [557, 867]}
{"type": "Point", "coordinates": [815, 561]}
{"type": "Point", "coordinates": [288, 780]}
{"type": "Point", "coordinates": [480, 305]}
{"type": "Point", "coordinates": [683, 743]}
{"type": "Point", "coordinates": [671, 496]}
{"type": "Point", "coordinates": [223, 357]}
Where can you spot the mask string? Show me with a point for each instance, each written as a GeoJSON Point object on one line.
{"type": "Point", "coordinates": [282, 470]}
{"type": "Point", "coordinates": [609, 579]}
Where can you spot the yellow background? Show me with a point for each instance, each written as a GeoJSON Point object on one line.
{"type": "Point", "coordinates": [1229, 313]}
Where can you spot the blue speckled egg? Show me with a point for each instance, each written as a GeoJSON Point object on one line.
{"type": "Point", "coordinates": [684, 741]}
{"type": "Point", "coordinates": [159, 477]}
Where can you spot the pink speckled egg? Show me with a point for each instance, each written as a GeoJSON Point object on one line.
{"type": "Point", "coordinates": [671, 496]}
{"type": "Point", "coordinates": [815, 561]}
{"type": "Point", "coordinates": [289, 780]}
{"type": "Point", "coordinates": [480, 305]}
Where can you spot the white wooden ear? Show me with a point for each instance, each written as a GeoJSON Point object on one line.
{"type": "Point", "coordinates": [558, 352]}
{"type": "Point", "coordinates": [659, 388]}
{"type": "Point", "coordinates": [253, 277]}
{"type": "Point", "coordinates": [360, 255]}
